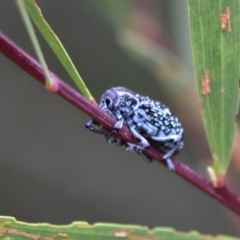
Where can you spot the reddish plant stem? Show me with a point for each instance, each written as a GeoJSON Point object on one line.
{"type": "Point", "coordinates": [31, 66]}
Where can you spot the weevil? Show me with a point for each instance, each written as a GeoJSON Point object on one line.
{"type": "Point", "coordinates": [149, 121]}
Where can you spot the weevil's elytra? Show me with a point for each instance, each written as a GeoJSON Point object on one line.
{"type": "Point", "coordinates": [150, 122]}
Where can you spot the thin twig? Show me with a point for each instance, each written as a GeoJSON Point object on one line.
{"type": "Point", "coordinates": [30, 65]}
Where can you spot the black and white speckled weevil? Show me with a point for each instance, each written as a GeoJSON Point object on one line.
{"type": "Point", "coordinates": [150, 122]}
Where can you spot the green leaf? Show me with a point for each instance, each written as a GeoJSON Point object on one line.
{"type": "Point", "coordinates": [12, 229]}
{"type": "Point", "coordinates": [56, 45]}
{"type": "Point", "coordinates": [216, 52]}
{"type": "Point", "coordinates": [29, 27]}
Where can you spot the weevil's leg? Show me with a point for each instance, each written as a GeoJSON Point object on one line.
{"type": "Point", "coordinates": [170, 153]}
{"type": "Point", "coordinates": [170, 164]}
{"type": "Point", "coordinates": [133, 147]}
{"type": "Point", "coordinates": [143, 143]}
{"type": "Point", "coordinates": [112, 140]}
{"type": "Point", "coordinates": [130, 147]}
{"type": "Point", "coordinates": [118, 125]}
{"type": "Point", "coordinates": [93, 125]}
{"type": "Point", "coordinates": [90, 124]}
{"type": "Point", "coordinates": [175, 138]}
{"type": "Point", "coordinates": [115, 141]}
{"type": "Point", "coordinates": [167, 156]}
{"type": "Point", "coordinates": [178, 146]}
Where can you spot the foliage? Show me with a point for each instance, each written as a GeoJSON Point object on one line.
{"type": "Point", "coordinates": [12, 229]}
{"type": "Point", "coordinates": [215, 39]}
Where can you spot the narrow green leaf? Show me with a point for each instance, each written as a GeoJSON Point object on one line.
{"type": "Point", "coordinates": [37, 48]}
{"type": "Point", "coordinates": [12, 229]}
{"type": "Point", "coordinates": [216, 51]}
{"type": "Point", "coordinates": [56, 45]}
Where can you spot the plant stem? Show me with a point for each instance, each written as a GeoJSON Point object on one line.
{"type": "Point", "coordinates": [31, 66]}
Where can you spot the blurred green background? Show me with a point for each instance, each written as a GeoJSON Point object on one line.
{"type": "Point", "coordinates": [53, 170]}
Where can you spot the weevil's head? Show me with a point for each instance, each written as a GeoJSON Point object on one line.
{"type": "Point", "coordinates": [119, 102]}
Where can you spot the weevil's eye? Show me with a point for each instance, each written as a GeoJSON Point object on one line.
{"type": "Point", "coordinates": [107, 101]}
